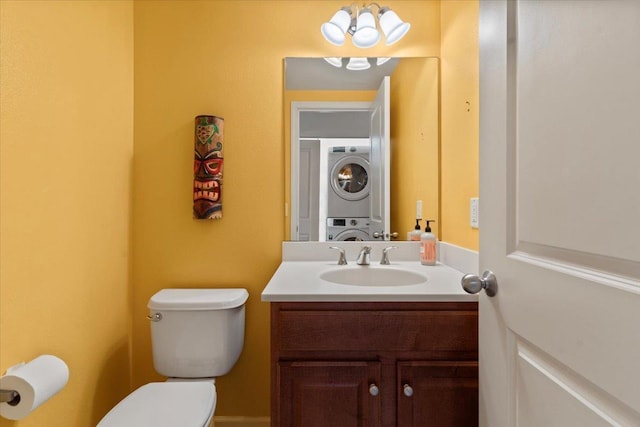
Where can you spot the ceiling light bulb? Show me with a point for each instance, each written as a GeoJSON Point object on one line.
{"type": "Point", "coordinates": [392, 26]}
{"type": "Point", "coordinates": [358, 64]}
{"type": "Point", "coordinates": [335, 30]}
{"type": "Point", "coordinates": [335, 61]}
{"type": "Point", "coordinates": [366, 34]}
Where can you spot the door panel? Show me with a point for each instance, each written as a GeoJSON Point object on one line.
{"type": "Point", "coordinates": [567, 399]}
{"type": "Point", "coordinates": [574, 129]}
{"type": "Point", "coordinates": [307, 389]}
{"type": "Point", "coordinates": [309, 190]}
{"type": "Point", "coordinates": [380, 161]}
{"type": "Point", "coordinates": [559, 133]}
{"type": "Point", "coordinates": [443, 394]}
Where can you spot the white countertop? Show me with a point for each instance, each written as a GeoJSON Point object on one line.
{"type": "Point", "coordinates": [298, 276]}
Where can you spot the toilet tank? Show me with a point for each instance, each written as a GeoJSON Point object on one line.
{"type": "Point", "coordinates": [196, 333]}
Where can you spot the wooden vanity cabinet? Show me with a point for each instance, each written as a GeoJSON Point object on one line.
{"type": "Point", "coordinates": [329, 393]}
{"type": "Point", "coordinates": [438, 393]}
{"type": "Point", "coordinates": [377, 364]}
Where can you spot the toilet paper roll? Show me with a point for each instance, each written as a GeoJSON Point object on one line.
{"type": "Point", "coordinates": [36, 382]}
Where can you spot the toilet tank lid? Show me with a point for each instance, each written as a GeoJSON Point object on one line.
{"type": "Point", "coordinates": [166, 404]}
{"type": "Point", "coordinates": [198, 299]}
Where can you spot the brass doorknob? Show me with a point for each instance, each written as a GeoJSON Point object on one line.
{"type": "Point", "coordinates": [380, 234]}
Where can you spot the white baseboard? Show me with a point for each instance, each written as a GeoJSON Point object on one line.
{"type": "Point", "coordinates": [241, 421]}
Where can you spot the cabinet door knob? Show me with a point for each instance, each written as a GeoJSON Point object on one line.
{"type": "Point", "coordinates": [407, 390]}
{"type": "Point", "coordinates": [373, 390]}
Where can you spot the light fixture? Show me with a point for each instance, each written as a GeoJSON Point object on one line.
{"type": "Point", "coordinates": [366, 34]}
{"type": "Point", "coordinates": [361, 25]}
{"type": "Point", "coordinates": [335, 30]}
{"type": "Point", "coordinates": [358, 64]}
{"type": "Point", "coordinates": [335, 61]}
{"type": "Point", "coordinates": [392, 26]}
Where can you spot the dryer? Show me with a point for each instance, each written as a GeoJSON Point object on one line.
{"type": "Point", "coordinates": [348, 229]}
{"type": "Point", "coordinates": [348, 175]}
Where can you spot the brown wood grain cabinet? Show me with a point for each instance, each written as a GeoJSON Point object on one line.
{"type": "Point", "coordinates": [380, 364]}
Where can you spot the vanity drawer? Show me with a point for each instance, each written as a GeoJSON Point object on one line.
{"type": "Point", "coordinates": [437, 328]}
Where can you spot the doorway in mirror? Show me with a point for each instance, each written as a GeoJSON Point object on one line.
{"type": "Point", "coordinates": [352, 185]}
{"type": "Point", "coordinates": [333, 190]}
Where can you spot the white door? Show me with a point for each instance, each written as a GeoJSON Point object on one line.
{"type": "Point", "coordinates": [380, 161]}
{"type": "Point", "coordinates": [309, 190]}
{"type": "Point", "coordinates": [560, 192]}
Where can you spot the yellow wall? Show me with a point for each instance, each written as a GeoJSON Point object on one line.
{"type": "Point", "coordinates": [414, 143]}
{"type": "Point", "coordinates": [459, 120]}
{"type": "Point", "coordinates": [225, 58]}
{"type": "Point", "coordinates": [65, 198]}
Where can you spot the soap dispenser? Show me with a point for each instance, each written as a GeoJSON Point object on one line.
{"type": "Point", "coordinates": [428, 245]}
{"type": "Point", "coordinates": [414, 235]}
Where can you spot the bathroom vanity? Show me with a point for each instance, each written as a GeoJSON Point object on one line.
{"type": "Point", "coordinates": [363, 355]}
{"type": "Point", "coordinates": [374, 364]}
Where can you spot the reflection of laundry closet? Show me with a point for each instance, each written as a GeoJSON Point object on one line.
{"type": "Point", "coordinates": [325, 139]}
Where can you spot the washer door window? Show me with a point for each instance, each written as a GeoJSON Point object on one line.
{"type": "Point", "coordinates": [352, 235]}
{"type": "Point", "coordinates": [350, 178]}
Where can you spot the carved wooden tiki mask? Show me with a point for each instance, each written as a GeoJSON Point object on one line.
{"type": "Point", "coordinates": [207, 168]}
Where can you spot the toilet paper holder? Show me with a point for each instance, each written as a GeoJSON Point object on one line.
{"type": "Point", "coordinates": [10, 397]}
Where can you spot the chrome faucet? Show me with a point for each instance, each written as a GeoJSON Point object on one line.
{"type": "Point", "coordinates": [364, 255]}
{"type": "Point", "coordinates": [385, 255]}
{"type": "Point", "coordinates": [342, 259]}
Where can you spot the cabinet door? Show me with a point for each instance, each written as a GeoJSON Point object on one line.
{"type": "Point", "coordinates": [326, 394]}
{"type": "Point", "coordinates": [443, 394]}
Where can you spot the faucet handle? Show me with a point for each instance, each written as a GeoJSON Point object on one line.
{"type": "Point", "coordinates": [363, 256]}
{"type": "Point", "coordinates": [385, 255]}
{"type": "Point", "coordinates": [342, 259]}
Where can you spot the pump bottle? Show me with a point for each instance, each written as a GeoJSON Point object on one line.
{"type": "Point", "coordinates": [428, 245]}
{"type": "Point", "coordinates": [415, 234]}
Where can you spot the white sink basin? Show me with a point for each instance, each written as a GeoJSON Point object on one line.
{"type": "Point", "coordinates": [373, 276]}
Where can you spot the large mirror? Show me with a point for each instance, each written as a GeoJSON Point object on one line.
{"type": "Point", "coordinates": [353, 174]}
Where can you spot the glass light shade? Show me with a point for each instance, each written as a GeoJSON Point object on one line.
{"type": "Point", "coordinates": [335, 30]}
{"type": "Point", "coordinates": [366, 34]}
{"type": "Point", "coordinates": [358, 64]}
{"type": "Point", "coordinates": [392, 26]}
{"type": "Point", "coordinates": [335, 61]}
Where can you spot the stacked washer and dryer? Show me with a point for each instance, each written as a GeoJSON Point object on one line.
{"type": "Point", "coordinates": [348, 193]}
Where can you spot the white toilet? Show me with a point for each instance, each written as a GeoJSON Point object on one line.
{"type": "Point", "coordinates": [196, 335]}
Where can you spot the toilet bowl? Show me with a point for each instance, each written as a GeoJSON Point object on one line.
{"type": "Point", "coordinates": [196, 335]}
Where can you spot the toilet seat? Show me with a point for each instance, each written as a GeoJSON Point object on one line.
{"type": "Point", "coordinates": [167, 404]}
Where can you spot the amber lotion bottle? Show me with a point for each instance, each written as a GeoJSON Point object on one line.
{"type": "Point", "coordinates": [428, 245]}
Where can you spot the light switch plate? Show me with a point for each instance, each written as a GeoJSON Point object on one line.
{"type": "Point", "coordinates": [475, 212]}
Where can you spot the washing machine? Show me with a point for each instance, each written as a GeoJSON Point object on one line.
{"type": "Point", "coordinates": [348, 229]}
{"type": "Point", "coordinates": [348, 189]}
